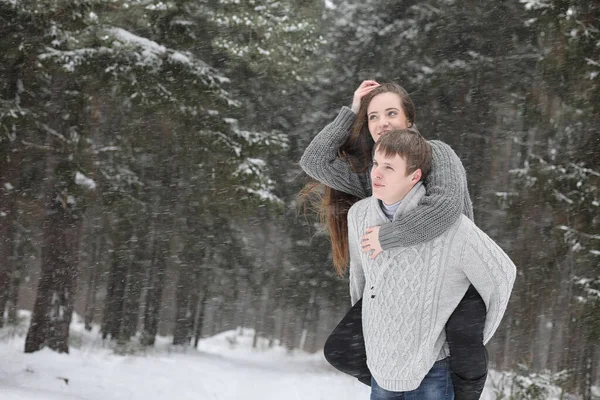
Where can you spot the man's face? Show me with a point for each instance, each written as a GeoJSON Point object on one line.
{"type": "Point", "coordinates": [389, 179]}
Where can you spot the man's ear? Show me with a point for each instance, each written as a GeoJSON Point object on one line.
{"type": "Point", "coordinates": [416, 176]}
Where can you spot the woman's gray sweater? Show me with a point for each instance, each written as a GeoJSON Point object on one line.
{"type": "Point", "coordinates": [447, 195]}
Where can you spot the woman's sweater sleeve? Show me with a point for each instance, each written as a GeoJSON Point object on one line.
{"type": "Point", "coordinates": [446, 199]}
{"type": "Point", "coordinates": [322, 163]}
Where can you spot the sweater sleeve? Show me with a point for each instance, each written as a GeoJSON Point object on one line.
{"type": "Point", "coordinates": [445, 200]}
{"type": "Point", "coordinates": [492, 273]}
{"type": "Point", "coordinates": [357, 274]}
{"type": "Point", "coordinates": [322, 163]}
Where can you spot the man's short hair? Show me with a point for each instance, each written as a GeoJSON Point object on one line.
{"type": "Point", "coordinates": [409, 145]}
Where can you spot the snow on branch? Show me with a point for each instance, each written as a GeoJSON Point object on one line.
{"type": "Point", "coordinates": [256, 137]}
{"type": "Point", "coordinates": [265, 195]}
{"type": "Point", "coordinates": [561, 197]}
{"type": "Point", "coordinates": [535, 4]}
{"type": "Point", "coordinates": [72, 58]}
{"type": "Point", "coordinates": [149, 47]}
{"type": "Point", "coordinates": [11, 3]}
{"type": "Point", "coordinates": [54, 133]}
{"type": "Point", "coordinates": [127, 49]}
{"type": "Point", "coordinates": [260, 184]}
{"type": "Point", "coordinates": [153, 54]}
{"type": "Point", "coordinates": [82, 180]}
{"type": "Point", "coordinates": [579, 233]}
{"type": "Point", "coordinates": [590, 287]}
{"type": "Point", "coordinates": [250, 166]}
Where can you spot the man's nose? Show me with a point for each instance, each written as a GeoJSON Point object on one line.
{"type": "Point", "coordinates": [376, 173]}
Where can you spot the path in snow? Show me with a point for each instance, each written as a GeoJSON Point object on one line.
{"type": "Point", "coordinates": [225, 367]}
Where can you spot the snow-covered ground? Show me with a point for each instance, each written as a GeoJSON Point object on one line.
{"type": "Point", "coordinates": [224, 367]}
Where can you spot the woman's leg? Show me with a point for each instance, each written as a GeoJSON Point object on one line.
{"type": "Point", "coordinates": [345, 347]}
{"type": "Point", "coordinates": [437, 384]}
{"type": "Point", "coordinates": [468, 356]}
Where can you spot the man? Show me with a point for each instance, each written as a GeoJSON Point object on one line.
{"type": "Point", "coordinates": [409, 293]}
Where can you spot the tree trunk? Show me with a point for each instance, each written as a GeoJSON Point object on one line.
{"type": "Point", "coordinates": [201, 312]}
{"type": "Point", "coordinates": [562, 314]}
{"type": "Point", "coordinates": [133, 289]}
{"type": "Point", "coordinates": [13, 295]}
{"type": "Point", "coordinates": [261, 318]}
{"type": "Point", "coordinates": [20, 254]}
{"type": "Point", "coordinates": [7, 217]}
{"type": "Point", "coordinates": [53, 307]}
{"type": "Point", "coordinates": [185, 305]}
{"type": "Point", "coordinates": [10, 172]}
{"type": "Point", "coordinates": [307, 318]}
{"type": "Point", "coordinates": [154, 293]}
{"type": "Point", "coordinates": [98, 248]}
{"type": "Point", "coordinates": [115, 297]}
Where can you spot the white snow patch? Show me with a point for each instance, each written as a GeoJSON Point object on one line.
{"type": "Point", "coordinates": [263, 51]}
{"type": "Point", "coordinates": [535, 4]}
{"type": "Point", "coordinates": [329, 5]}
{"type": "Point", "coordinates": [109, 148]}
{"type": "Point", "coordinates": [125, 36]}
{"type": "Point", "coordinates": [223, 367]}
{"type": "Point", "coordinates": [82, 180]}
{"type": "Point", "coordinates": [157, 7]}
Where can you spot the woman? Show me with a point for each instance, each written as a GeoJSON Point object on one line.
{"type": "Point", "coordinates": [340, 157]}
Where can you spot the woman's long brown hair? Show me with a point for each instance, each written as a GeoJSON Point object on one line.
{"type": "Point", "coordinates": [333, 205]}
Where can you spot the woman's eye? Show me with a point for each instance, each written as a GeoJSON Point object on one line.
{"type": "Point", "coordinates": [372, 117]}
{"type": "Point", "coordinates": [393, 113]}
{"type": "Point", "coordinates": [390, 168]}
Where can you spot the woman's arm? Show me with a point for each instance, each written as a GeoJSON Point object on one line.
{"type": "Point", "coordinates": [322, 163]}
{"type": "Point", "coordinates": [446, 199]}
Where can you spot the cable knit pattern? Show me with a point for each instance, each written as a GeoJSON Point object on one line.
{"type": "Point", "coordinates": [410, 292]}
{"type": "Point", "coordinates": [447, 193]}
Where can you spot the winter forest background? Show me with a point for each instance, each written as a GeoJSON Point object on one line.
{"type": "Point", "coordinates": [149, 161]}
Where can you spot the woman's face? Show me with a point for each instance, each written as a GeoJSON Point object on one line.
{"type": "Point", "coordinates": [384, 114]}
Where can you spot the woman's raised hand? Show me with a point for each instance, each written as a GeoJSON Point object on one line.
{"type": "Point", "coordinates": [364, 88]}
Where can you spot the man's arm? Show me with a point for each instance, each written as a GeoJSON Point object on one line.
{"type": "Point", "coordinates": [322, 163]}
{"type": "Point", "coordinates": [492, 273]}
{"type": "Point", "coordinates": [446, 199]}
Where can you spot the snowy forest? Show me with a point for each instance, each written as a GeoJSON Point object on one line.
{"type": "Point", "coordinates": [149, 171]}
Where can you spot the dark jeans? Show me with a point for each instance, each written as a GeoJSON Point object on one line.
{"type": "Point", "coordinates": [345, 347]}
{"type": "Point", "coordinates": [436, 385]}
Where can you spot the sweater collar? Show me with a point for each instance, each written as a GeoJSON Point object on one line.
{"type": "Point", "coordinates": [408, 204]}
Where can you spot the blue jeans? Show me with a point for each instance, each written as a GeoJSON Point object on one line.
{"type": "Point", "coordinates": [437, 385]}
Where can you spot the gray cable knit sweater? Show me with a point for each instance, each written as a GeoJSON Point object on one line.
{"type": "Point", "coordinates": [447, 195]}
{"type": "Point", "coordinates": [410, 292]}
